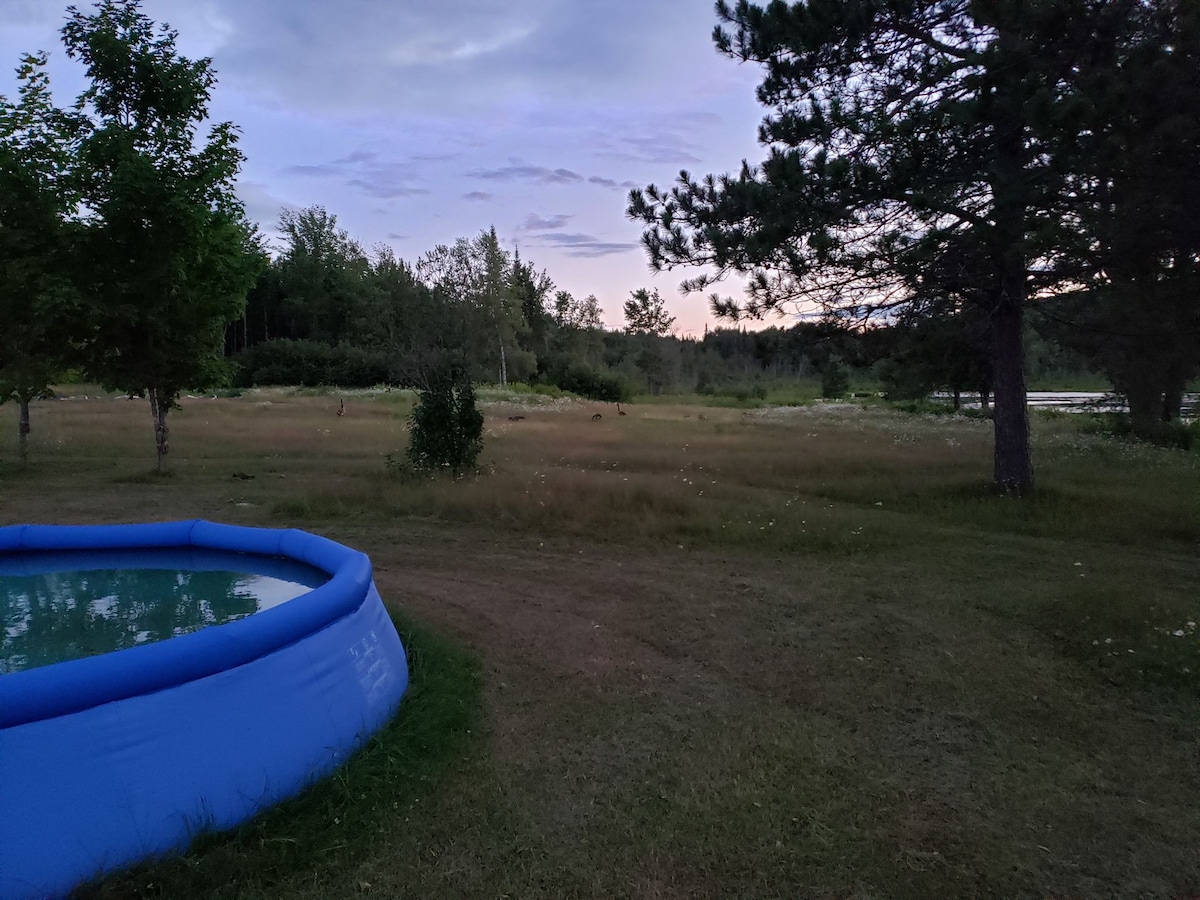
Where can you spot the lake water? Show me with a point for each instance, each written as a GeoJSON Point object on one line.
{"type": "Point", "coordinates": [68, 605]}
{"type": "Point", "coordinates": [1081, 401]}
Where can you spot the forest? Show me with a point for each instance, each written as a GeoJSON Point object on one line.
{"type": "Point", "coordinates": [934, 257]}
{"type": "Point", "coordinates": [325, 311]}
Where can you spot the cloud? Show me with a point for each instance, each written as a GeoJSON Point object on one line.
{"type": "Point", "coordinates": [367, 172]}
{"type": "Point", "coordinates": [398, 237]}
{"type": "Point", "coordinates": [261, 205]}
{"type": "Point", "coordinates": [519, 171]}
{"type": "Point", "coordinates": [30, 12]}
{"type": "Point", "coordinates": [609, 183]}
{"type": "Point", "coordinates": [534, 222]}
{"type": "Point", "coordinates": [434, 49]}
{"type": "Point", "coordinates": [584, 245]}
{"type": "Point", "coordinates": [666, 145]}
{"type": "Point", "coordinates": [450, 56]}
{"type": "Point", "coordinates": [536, 174]}
{"type": "Point", "coordinates": [383, 190]}
{"type": "Point", "coordinates": [477, 195]}
{"type": "Point", "coordinates": [321, 171]}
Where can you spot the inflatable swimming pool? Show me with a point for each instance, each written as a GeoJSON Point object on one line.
{"type": "Point", "coordinates": [111, 759]}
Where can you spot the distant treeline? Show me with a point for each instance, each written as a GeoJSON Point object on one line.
{"type": "Point", "coordinates": [326, 311]}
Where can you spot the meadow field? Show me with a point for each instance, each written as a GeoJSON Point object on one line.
{"type": "Point", "coordinates": [700, 651]}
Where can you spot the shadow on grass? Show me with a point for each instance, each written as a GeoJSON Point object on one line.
{"type": "Point", "coordinates": [1062, 510]}
{"type": "Point", "coordinates": [1126, 633]}
{"type": "Point", "coordinates": [152, 476]}
{"type": "Point", "coordinates": [375, 800]}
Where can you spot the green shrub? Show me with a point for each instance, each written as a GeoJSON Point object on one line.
{"type": "Point", "coordinates": [1178, 435]}
{"type": "Point", "coordinates": [835, 380]}
{"type": "Point", "coordinates": [594, 385]}
{"type": "Point", "coordinates": [545, 390]}
{"type": "Point", "coordinates": [447, 428]}
{"type": "Point", "coordinates": [741, 391]}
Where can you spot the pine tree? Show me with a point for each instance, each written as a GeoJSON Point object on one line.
{"type": "Point", "coordinates": [900, 132]}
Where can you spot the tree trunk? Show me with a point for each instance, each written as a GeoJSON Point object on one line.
{"type": "Point", "coordinates": [957, 399]}
{"type": "Point", "coordinates": [1013, 461]}
{"type": "Point", "coordinates": [1173, 397]}
{"type": "Point", "coordinates": [159, 407]}
{"type": "Point", "coordinates": [1145, 399]}
{"type": "Point", "coordinates": [23, 430]}
{"type": "Point", "coordinates": [985, 400]}
{"type": "Point", "coordinates": [1010, 183]}
{"type": "Point", "coordinates": [503, 368]}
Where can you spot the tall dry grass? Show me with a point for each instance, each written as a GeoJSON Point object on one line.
{"type": "Point", "coordinates": [761, 653]}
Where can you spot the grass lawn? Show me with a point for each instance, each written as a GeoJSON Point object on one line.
{"type": "Point", "coordinates": [706, 652]}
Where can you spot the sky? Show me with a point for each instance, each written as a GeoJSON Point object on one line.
{"type": "Point", "coordinates": [417, 123]}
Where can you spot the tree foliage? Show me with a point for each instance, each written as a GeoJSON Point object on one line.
{"type": "Point", "coordinates": [646, 313]}
{"type": "Point", "coordinates": [322, 275]}
{"type": "Point", "coordinates": [446, 427]}
{"type": "Point", "coordinates": [165, 251]}
{"type": "Point", "coordinates": [491, 297]}
{"type": "Point", "coordinates": [1136, 313]}
{"type": "Point", "coordinates": [904, 136]}
{"type": "Point", "coordinates": [40, 327]}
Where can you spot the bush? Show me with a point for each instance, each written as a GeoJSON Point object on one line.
{"type": "Point", "coordinates": [594, 385]}
{"type": "Point", "coordinates": [543, 390]}
{"type": "Point", "coordinates": [447, 429]}
{"type": "Point", "coordinates": [835, 381]}
{"type": "Point", "coordinates": [1176, 435]}
{"type": "Point", "coordinates": [927, 407]}
{"type": "Point", "coordinates": [902, 382]}
{"type": "Point", "coordinates": [739, 391]}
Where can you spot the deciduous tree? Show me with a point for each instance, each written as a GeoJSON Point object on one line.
{"type": "Point", "coordinates": [646, 313]}
{"type": "Point", "coordinates": [475, 277]}
{"type": "Point", "coordinates": [167, 256]}
{"type": "Point", "coordinates": [40, 327]}
{"type": "Point", "coordinates": [322, 276]}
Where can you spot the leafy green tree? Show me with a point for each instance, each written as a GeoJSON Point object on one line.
{"type": "Point", "coordinates": [446, 427]}
{"type": "Point", "coordinates": [166, 253]}
{"type": "Point", "coordinates": [941, 350]}
{"type": "Point", "coordinates": [39, 323]}
{"type": "Point", "coordinates": [578, 314]}
{"type": "Point", "coordinates": [646, 321]}
{"type": "Point", "coordinates": [576, 350]}
{"type": "Point", "coordinates": [900, 130]}
{"type": "Point", "coordinates": [475, 278]}
{"type": "Point", "coordinates": [531, 291]}
{"type": "Point", "coordinates": [404, 319]}
{"type": "Point", "coordinates": [322, 276]}
{"type": "Point", "coordinates": [835, 380]}
{"type": "Point", "coordinates": [646, 313]}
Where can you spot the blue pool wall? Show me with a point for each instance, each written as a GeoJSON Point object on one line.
{"type": "Point", "coordinates": [113, 759]}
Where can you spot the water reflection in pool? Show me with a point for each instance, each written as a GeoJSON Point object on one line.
{"type": "Point", "coordinates": [68, 605]}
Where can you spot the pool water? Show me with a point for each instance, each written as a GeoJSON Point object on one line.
{"type": "Point", "coordinates": [63, 605]}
